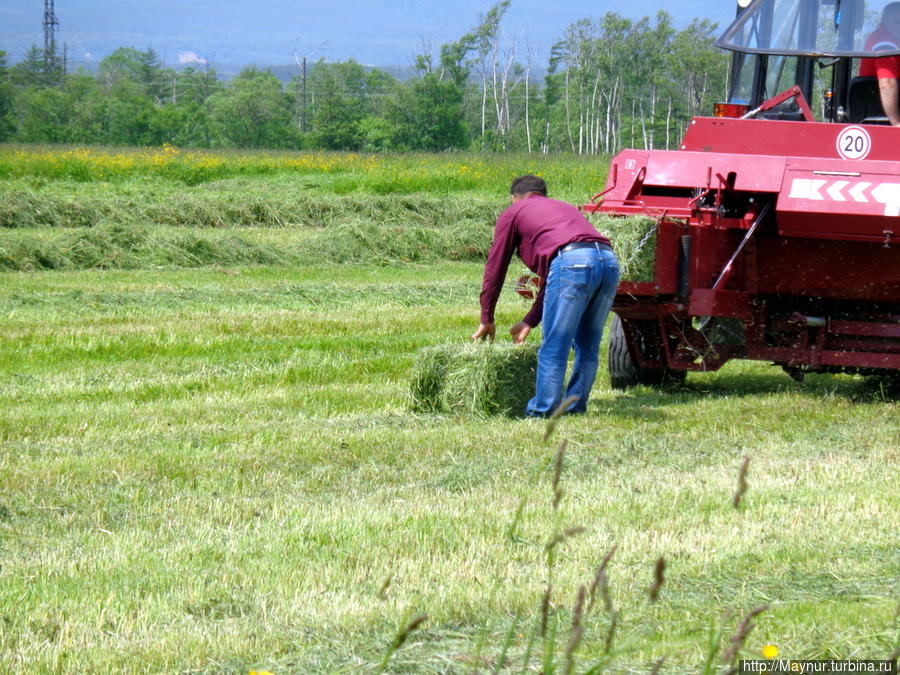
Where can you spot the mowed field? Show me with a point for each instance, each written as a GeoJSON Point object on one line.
{"type": "Point", "coordinates": [209, 462]}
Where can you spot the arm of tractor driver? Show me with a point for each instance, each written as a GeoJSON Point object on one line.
{"type": "Point", "coordinates": [890, 99]}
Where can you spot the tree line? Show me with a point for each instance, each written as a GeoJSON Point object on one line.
{"type": "Point", "coordinates": [609, 83]}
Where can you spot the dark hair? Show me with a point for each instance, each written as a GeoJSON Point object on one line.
{"type": "Point", "coordinates": [890, 8]}
{"type": "Point", "coordinates": [525, 184]}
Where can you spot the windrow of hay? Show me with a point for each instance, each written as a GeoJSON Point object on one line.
{"type": "Point", "coordinates": [132, 247]}
{"type": "Point", "coordinates": [137, 247]}
{"type": "Point", "coordinates": [474, 379]}
{"type": "Point", "coordinates": [70, 225]}
{"type": "Point", "coordinates": [352, 240]}
{"type": "Point", "coordinates": [274, 203]}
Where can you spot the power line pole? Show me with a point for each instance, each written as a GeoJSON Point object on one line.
{"type": "Point", "coordinates": [304, 94]}
{"type": "Point", "coordinates": [51, 25]}
{"type": "Point", "coordinates": [301, 93]}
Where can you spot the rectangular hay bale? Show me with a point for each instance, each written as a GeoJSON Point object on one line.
{"type": "Point", "coordinates": [475, 379]}
{"type": "Point", "coordinates": [634, 241]}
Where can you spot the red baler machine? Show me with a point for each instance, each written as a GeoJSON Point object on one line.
{"type": "Point", "coordinates": [777, 236]}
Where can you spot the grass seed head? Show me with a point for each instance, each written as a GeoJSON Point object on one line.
{"type": "Point", "coordinates": [741, 483]}
{"type": "Point", "coordinates": [741, 634]}
{"type": "Point", "coordinates": [659, 578]}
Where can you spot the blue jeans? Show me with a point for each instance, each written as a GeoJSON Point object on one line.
{"type": "Point", "coordinates": [580, 289]}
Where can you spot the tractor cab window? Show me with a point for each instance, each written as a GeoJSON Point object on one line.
{"type": "Point", "coordinates": [772, 74]}
{"type": "Point", "coordinates": [758, 77]}
{"type": "Point", "coordinates": [810, 43]}
{"type": "Point", "coordinates": [808, 28]}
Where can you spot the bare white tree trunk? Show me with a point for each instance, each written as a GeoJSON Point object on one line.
{"type": "Point", "coordinates": [569, 114]}
{"type": "Point", "coordinates": [668, 122]}
{"type": "Point", "coordinates": [483, 107]}
{"type": "Point", "coordinates": [643, 125]}
{"type": "Point", "coordinates": [595, 117]}
{"type": "Point", "coordinates": [631, 130]}
{"type": "Point", "coordinates": [503, 84]}
{"type": "Point", "coordinates": [527, 105]}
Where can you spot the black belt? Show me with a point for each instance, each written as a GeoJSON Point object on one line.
{"type": "Point", "coordinates": [600, 246]}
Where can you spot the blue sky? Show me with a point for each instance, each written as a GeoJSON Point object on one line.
{"type": "Point", "coordinates": [269, 32]}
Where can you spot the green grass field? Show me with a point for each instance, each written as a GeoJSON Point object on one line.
{"type": "Point", "coordinates": [209, 464]}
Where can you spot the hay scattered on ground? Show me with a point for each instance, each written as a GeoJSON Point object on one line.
{"type": "Point", "coordinates": [474, 379]}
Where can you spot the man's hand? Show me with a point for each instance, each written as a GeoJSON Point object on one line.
{"type": "Point", "coordinates": [485, 330]}
{"type": "Point", "coordinates": [519, 332]}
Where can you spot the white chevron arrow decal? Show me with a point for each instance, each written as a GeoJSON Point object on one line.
{"type": "Point", "coordinates": [807, 188]}
{"type": "Point", "coordinates": [889, 195]}
{"type": "Point", "coordinates": [857, 192]}
{"type": "Point", "coordinates": [834, 190]}
{"type": "Point", "coordinates": [837, 191]}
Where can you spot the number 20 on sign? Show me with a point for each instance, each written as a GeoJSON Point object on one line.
{"type": "Point", "coordinates": [853, 143]}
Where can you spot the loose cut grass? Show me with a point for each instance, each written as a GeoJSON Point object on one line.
{"type": "Point", "coordinates": [174, 229]}
{"type": "Point", "coordinates": [143, 247]}
{"type": "Point", "coordinates": [217, 469]}
{"type": "Point", "coordinates": [634, 241]}
{"type": "Point", "coordinates": [281, 201]}
{"type": "Point", "coordinates": [475, 379]}
{"type": "Point", "coordinates": [217, 472]}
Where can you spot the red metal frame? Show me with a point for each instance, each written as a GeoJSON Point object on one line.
{"type": "Point", "coordinates": [793, 231]}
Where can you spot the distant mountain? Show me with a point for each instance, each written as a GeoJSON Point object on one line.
{"type": "Point", "coordinates": [267, 32]}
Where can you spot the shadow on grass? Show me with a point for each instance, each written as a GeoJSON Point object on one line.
{"type": "Point", "coordinates": [641, 402]}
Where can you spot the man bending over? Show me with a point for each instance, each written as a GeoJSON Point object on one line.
{"type": "Point", "coordinates": [581, 273]}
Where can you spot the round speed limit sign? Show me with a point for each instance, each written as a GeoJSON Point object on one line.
{"type": "Point", "coordinates": [854, 143]}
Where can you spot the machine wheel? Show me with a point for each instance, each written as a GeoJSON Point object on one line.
{"type": "Point", "coordinates": [624, 372]}
{"type": "Point", "coordinates": [887, 382]}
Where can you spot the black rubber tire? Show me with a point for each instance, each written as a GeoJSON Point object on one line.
{"type": "Point", "coordinates": [625, 373]}
{"type": "Point", "coordinates": [887, 382]}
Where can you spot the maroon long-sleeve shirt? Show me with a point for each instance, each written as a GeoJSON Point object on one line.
{"type": "Point", "coordinates": [537, 227]}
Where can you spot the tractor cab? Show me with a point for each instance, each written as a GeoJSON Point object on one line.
{"type": "Point", "coordinates": [815, 45]}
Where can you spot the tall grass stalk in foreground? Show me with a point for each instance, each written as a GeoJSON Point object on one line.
{"type": "Point", "coordinates": [546, 629]}
{"type": "Point", "coordinates": [409, 625]}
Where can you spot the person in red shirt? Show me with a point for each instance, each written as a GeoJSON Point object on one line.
{"type": "Point", "coordinates": [556, 242]}
{"type": "Point", "coordinates": [886, 69]}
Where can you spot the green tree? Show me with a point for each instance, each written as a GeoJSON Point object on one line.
{"type": "Point", "coordinates": [197, 85]}
{"type": "Point", "coordinates": [32, 71]}
{"type": "Point", "coordinates": [576, 82]}
{"type": "Point", "coordinates": [253, 113]}
{"type": "Point", "coordinates": [86, 120]}
{"type": "Point", "coordinates": [42, 114]}
{"type": "Point", "coordinates": [377, 134]}
{"type": "Point", "coordinates": [127, 113]}
{"type": "Point", "coordinates": [427, 115]}
{"type": "Point", "coordinates": [143, 68]}
{"type": "Point", "coordinates": [7, 121]}
{"type": "Point", "coordinates": [651, 74]}
{"type": "Point", "coordinates": [698, 69]}
{"type": "Point", "coordinates": [343, 95]}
